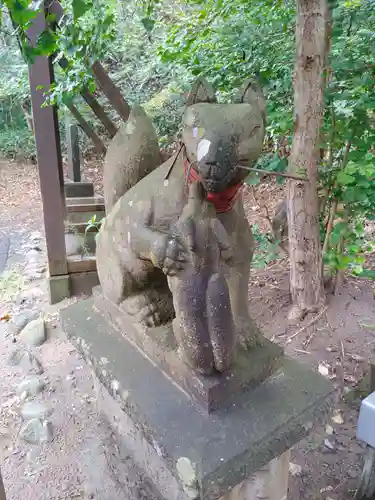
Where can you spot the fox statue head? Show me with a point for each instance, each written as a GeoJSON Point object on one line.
{"type": "Point", "coordinates": [220, 137]}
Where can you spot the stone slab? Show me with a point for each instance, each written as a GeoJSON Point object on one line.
{"type": "Point", "coordinates": [249, 370]}
{"type": "Point", "coordinates": [79, 189]}
{"type": "Point", "coordinates": [225, 447]}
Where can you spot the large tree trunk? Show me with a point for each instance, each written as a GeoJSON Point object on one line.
{"type": "Point", "coordinates": [306, 281]}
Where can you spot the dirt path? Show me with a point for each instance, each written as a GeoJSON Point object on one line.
{"type": "Point", "coordinates": [81, 459]}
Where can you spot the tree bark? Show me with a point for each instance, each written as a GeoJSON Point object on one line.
{"type": "Point", "coordinates": [306, 280]}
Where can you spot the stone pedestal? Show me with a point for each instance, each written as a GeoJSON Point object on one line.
{"type": "Point", "coordinates": [268, 483]}
{"type": "Point", "coordinates": [230, 454]}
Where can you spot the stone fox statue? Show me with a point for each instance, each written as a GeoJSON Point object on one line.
{"type": "Point", "coordinates": [203, 327]}
{"type": "Point", "coordinates": [137, 248]}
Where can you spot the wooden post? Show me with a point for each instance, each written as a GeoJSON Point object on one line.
{"type": "Point", "coordinates": [306, 280]}
{"type": "Point", "coordinates": [74, 160]}
{"type": "Point", "coordinates": [89, 131]}
{"type": "Point", "coordinates": [2, 490]}
{"type": "Point", "coordinates": [47, 140]}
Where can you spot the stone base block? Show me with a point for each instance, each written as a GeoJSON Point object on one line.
{"type": "Point", "coordinates": [79, 189]}
{"type": "Point", "coordinates": [249, 370]}
{"type": "Point", "coordinates": [189, 453]}
{"type": "Point", "coordinates": [58, 288]}
{"type": "Point", "coordinates": [68, 285]}
{"type": "Point", "coordinates": [268, 483]}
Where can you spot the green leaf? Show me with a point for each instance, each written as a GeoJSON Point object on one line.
{"type": "Point", "coordinates": [80, 7]}
{"type": "Point", "coordinates": [344, 179]}
{"type": "Point", "coordinates": [148, 24]}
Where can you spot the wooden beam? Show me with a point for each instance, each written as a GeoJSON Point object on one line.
{"type": "Point", "coordinates": [89, 131]}
{"type": "Point", "coordinates": [85, 207]}
{"type": "Point", "coordinates": [81, 265]}
{"type": "Point", "coordinates": [74, 159]}
{"type": "Point", "coordinates": [48, 150]}
{"type": "Point", "coordinates": [111, 91]}
{"type": "Point", "coordinates": [98, 110]}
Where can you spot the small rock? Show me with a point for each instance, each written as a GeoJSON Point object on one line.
{"type": "Point", "coordinates": [357, 357]}
{"type": "Point", "coordinates": [32, 255]}
{"type": "Point", "coordinates": [34, 333]}
{"type": "Point", "coordinates": [26, 361]}
{"type": "Point", "coordinates": [338, 417]}
{"type": "Point", "coordinates": [325, 489]}
{"type": "Point", "coordinates": [331, 349]}
{"type": "Point", "coordinates": [329, 430]}
{"type": "Point", "coordinates": [20, 321]}
{"type": "Point", "coordinates": [328, 444]}
{"type": "Point", "coordinates": [295, 469]}
{"type": "Point", "coordinates": [31, 411]}
{"type": "Point", "coordinates": [31, 386]}
{"type": "Point", "coordinates": [36, 431]}
{"type": "Point", "coordinates": [323, 370]}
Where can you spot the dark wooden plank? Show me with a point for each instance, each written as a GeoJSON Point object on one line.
{"type": "Point", "coordinates": [74, 159]}
{"type": "Point", "coordinates": [89, 131]}
{"type": "Point", "coordinates": [80, 265]}
{"type": "Point", "coordinates": [48, 150]}
{"type": "Point", "coordinates": [85, 207]}
{"type": "Point", "coordinates": [98, 110]}
{"type": "Point", "coordinates": [95, 200]}
{"type": "Point", "coordinates": [111, 91]}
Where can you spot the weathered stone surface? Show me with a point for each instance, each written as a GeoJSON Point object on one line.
{"type": "Point", "coordinates": [34, 333]}
{"type": "Point", "coordinates": [32, 410]}
{"type": "Point", "coordinates": [249, 369]}
{"type": "Point", "coordinates": [268, 483]}
{"type": "Point", "coordinates": [32, 386]}
{"type": "Point", "coordinates": [59, 288]}
{"type": "Point", "coordinates": [225, 447]}
{"type": "Point", "coordinates": [137, 245]}
{"type": "Point", "coordinates": [37, 431]}
{"type": "Point", "coordinates": [134, 148]}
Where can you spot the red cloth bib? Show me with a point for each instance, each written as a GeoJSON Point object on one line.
{"type": "Point", "coordinates": [223, 201]}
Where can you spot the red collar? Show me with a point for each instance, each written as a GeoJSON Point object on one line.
{"type": "Point", "coordinates": [223, 201]}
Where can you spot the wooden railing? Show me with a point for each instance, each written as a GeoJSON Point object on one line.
{"type": "Point", "coordinates": [47, 140]}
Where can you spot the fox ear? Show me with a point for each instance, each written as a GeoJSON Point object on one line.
{"type": "Point", "coordinates": [251, 93]}
{"type": "Point", "coordinates": [201, 91]}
